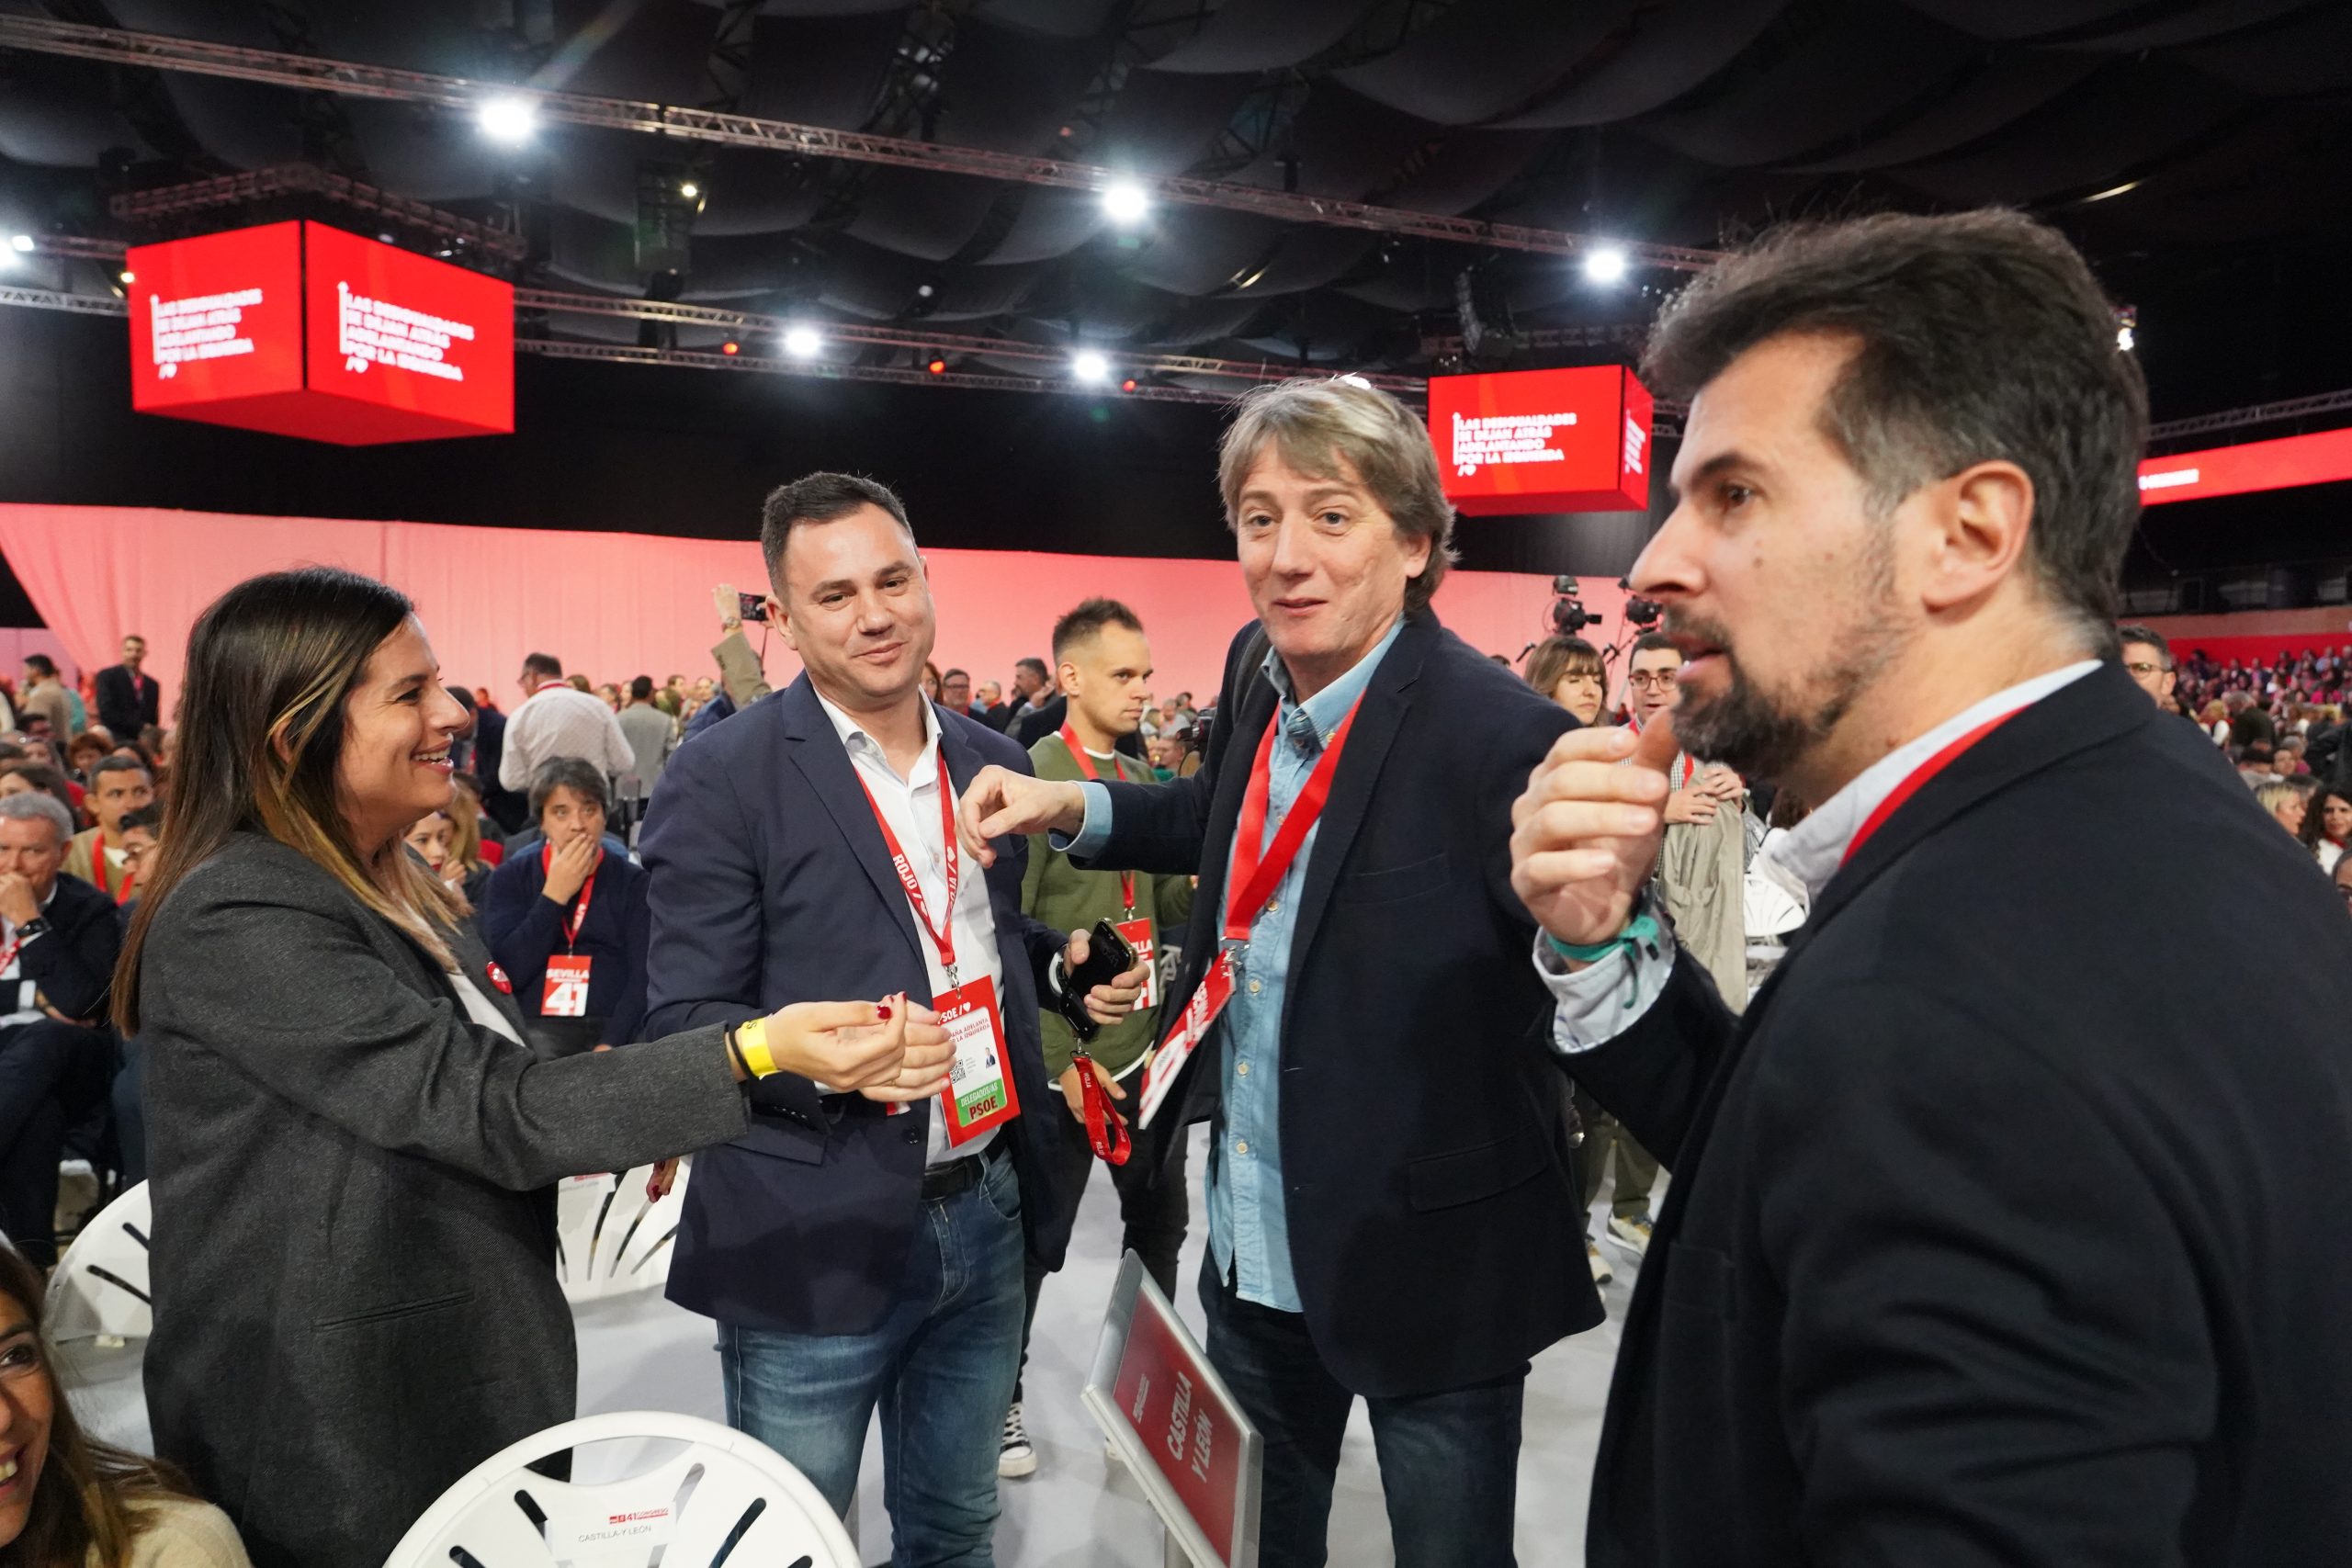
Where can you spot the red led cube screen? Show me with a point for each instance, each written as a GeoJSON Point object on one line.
{"type": "Point", "coordinates": [303, 330]}
{"type": "Point", "coordinates": [1574, 440]}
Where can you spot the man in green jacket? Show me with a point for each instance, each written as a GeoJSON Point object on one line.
{"type": "Point", "coordinates": [1106, 667]}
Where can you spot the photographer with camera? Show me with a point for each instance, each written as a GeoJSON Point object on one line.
{"type": "Point", "coordinates": [1105, 666]}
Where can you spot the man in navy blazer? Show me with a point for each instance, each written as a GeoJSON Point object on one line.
{"type": "Point", "coordinates": [853, 1249]}
{"type": "Point", "coordinates": [1390, 1213]}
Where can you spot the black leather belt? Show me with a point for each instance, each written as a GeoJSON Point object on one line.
{"type": "Point", "coordinates": [943, 1182]}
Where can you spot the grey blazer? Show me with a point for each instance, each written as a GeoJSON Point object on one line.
{"type": "Point", "coordinates": [354, 1277]}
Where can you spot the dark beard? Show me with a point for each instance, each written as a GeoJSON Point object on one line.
{"type": "Point", "coordinates": [1762, 737]}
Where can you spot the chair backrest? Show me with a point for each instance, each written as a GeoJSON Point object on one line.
{"type": "Point", "coordinates": [728, 1501]}
{"type": "Point", "coordinates": [610, 1238]}
{"type": "Point", "coordinates": [100, 1285]}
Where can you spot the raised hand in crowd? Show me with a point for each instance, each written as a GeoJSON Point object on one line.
{"type": "Point", "coordinates": [573, 864]}
{"type": "Point", "coordinates": [1585, 835]}
{"type": "Point", "coordinates": [16, 900]}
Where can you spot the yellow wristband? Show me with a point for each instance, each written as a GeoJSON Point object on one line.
{"type": "Point", "coordinates": [751, 1039]}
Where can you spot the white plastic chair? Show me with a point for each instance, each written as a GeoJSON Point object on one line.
{"type": "Point", "coordinates": [610, 1239]}
{"type": "Point", "coordinates": [100, 1285]}
{"type": "Point", "coordinates": [729, 1500]}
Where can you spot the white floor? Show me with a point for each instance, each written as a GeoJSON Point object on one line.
{"type": "Point", "coordinates": [1078, 1511]}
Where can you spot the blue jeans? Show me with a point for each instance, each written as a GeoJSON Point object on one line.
{"type": "Point", "coordinates": [941, 1364]}
{"type": "Point", "coordinates": [1448, 1462]}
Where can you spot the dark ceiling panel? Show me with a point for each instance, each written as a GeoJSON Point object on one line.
{"type": "Point", "coordinates": [1672, 51]}
{"type": "Point", "coordinates": [820, 71]}
{"type": "Point", "coordinates": [1055, 18]}
{"type": "Point", "coordinates": [1484, 58]}
{"type": "Point", "coordinates": [1264, 35]}
{"type": "Point", "coordinates": [1464, 170]}
{"type": "Point", "coordinates": [1051, 223]}
{"type": "Point", "coordinates": [647, 49]}
{"type": "Point", "coordinates": [2012, 84]}
{"type": "Point", "coordinates": [921, 213]}
{"type": "Point", "coordinates": [2133, 112]}
{"type": "Point", "coordinates": [2308, 55]}
{"type": "Point", "coordinates": [1837, 81]}
{"type": "Point", "coordinates": [57, 112]}
{"type": "Point", "coordinates": [2001, 20]}
{"type": "Point", "coordinates": [2199, 22]}
{"type": "Point", "coordinates": [1162, 125]}
{"type": "Point", "coordinates": [1008, 91]}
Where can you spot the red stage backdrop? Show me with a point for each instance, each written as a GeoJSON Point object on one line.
{"type": "Point", "coordinates": [614, 605]}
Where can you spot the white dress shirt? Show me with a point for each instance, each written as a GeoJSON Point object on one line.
{"type": "Point", "coordinates": [1601, 1002]}
{"type": "Point", "coordinates": [911, 807]}
{"type": "Point", "coordinates": [558, 721]}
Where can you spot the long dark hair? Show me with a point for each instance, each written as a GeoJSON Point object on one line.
{"type": "Point", "coordinates": [269, 667]}
{"type": "Point", "coordinates": [2315, 813]}
{"type": "Point", "coordinates": [80, 1505]}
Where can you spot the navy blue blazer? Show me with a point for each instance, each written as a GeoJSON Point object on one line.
{"type": "Point", "coordinates": [1434, 1226]}
{"type": "Point", "coordinates": [771, 886]}
{"type": "Point", "coordinates": [522, 929]}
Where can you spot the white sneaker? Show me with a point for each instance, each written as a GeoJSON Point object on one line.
{"type": "Point", "coordinates": [1632, 1234]}
{"type": "Point", "coordinates": [1014, 1456]}
{"type": "Point", "coordinates": [1602, 1272]}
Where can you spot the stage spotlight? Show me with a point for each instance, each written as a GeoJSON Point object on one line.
{"type": "Point", "coordinates": [690, 190]}
{"type": "Point", "coordinates": [2127, 328]}
{"type": "Point", "coordinates": [20, 244]}
{"type": "Point", "coordinates": [1125, 202]}
{"type": "Point", "coordinates": [1090, 366]}
{"type": "Point", "coordinates": [936, 365]}
{"type": "Point", "coordinates": [508, 119]}
{"type": "Point", "coordinates": [1606, 265]}
{"type": "Point", "coordinates": [1128, 385]}
{"type": "Point", "coordinates": [128, 275]}
{"type": "Point", "coordinates": [731, 346]}
{"type": "Point", "coordinates": [802, 342]}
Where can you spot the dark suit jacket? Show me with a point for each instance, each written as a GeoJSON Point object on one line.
{"type": "Point", "coordinates": [1997, 1232]}
{"type": "Point", "coordinates": [772, 885]}
{"type": "Point", "coordinates": [506, 807]}
{"type": "Point", "coordinates": [996, 718]}
{"type": "Point", "coordinates": [1035, 725]}
{"type": "Point", "coordinates": [73, 964]}
{"type": "Point", "coordinates": [1434, 1226]}
{"type": "Point", "coordinates": [126, 703]}
{"type": "Point", "coordinates": [354, 1287]}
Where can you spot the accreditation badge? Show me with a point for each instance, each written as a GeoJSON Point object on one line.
{"type": "Point", "coordinates": [567, 986]}
{"type": "Point", "coordinates": [979, 1093]}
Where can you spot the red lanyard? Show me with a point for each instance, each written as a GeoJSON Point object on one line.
{"type": "Point", "coordinates": [587, 892]}
{"type": "Point", "coordinates": [1086, 766]}
{"type": "Point", "coordinates": [1255, 878]}
{"type": "Point", "coordinates": [98, 875]}
{"type": "Point", "coordinates": [1107, 1131]}
{"type": "Point", "coordinates": [1919, 776]}
{"type": "Point", "coordinates": [943, 935]}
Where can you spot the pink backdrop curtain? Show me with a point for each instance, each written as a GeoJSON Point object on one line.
{"type": "Point", "coordinates": [616, 606]}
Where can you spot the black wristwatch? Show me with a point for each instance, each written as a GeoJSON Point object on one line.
{"type": "Point", "coordinates": [37, 926]}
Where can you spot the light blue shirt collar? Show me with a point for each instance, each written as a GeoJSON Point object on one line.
{"type": "Point", "coordinates": [1328, 707]}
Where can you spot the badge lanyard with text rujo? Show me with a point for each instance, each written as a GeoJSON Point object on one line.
{"type": "Point", "coordinates": [1258, 869]}
{"type": "Point", "coordinates": [1136, 931]}
{"type": "Point", "coordinates": [979, 1092]}
{"type": "Point", "coordinates": [566, 992]}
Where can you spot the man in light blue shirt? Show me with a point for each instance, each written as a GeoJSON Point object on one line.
{"type": "Point", "coordinates": [1390, 1215]}
{"type": "Point", "coordinates": [1248, 1236]}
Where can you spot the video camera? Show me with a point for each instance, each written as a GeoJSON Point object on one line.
{"type": "Point", "coordinates": [1568, 615]}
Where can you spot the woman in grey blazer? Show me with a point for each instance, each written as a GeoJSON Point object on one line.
{"type": "Point", "coordinates": [352, 1152]}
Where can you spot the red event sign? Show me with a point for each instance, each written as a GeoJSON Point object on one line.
{"type": "Point", "coordinates": [1522, 441]}
{"type": "Point", "coordinates": [2291, 460]}
{"type": "Point", "coordinates": [303, 330]}
{"type": "Point", "coordinates": [1164, 1392]}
